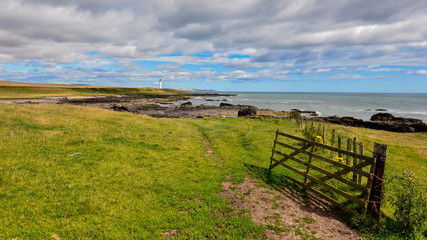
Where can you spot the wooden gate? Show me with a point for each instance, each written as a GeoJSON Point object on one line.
{"type": "Point", "coordinates": [319, 171]}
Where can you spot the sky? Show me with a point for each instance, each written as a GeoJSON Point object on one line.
{"type": "Point", "coordinates": [223, 45]}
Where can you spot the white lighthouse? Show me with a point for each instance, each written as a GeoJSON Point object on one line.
{"type": "Point", "coordinates": [160, 83]}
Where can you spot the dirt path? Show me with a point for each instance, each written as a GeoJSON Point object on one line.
{"type": "Point", "coordinates": [284, 214]}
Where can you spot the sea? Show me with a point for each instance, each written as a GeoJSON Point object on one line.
{"type": "Point", "coordinates": [357, 105]}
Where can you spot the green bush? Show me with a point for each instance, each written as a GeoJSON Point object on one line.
{"type": "Point", "coordinates": [410, 201]}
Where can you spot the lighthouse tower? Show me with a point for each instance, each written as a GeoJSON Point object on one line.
{"type": "Point", "coordinates": [160, 83]}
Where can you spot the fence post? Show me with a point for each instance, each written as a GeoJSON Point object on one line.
{"type": "Point", "coordinates": [323, 135]}
{"type": "Point", "coordinates": [355, 160]}
{"type": "Point", "coordinates": [310, 159]}
{"type": "Point", "coordinates": [359, 180]}
{"type": "Point", "coordinates": [339, 145]}
{"type": "Point", "coordinates": [380, 151]}
{"type": "Point", "coordinates": [347, 159]}
{"type": "Point", "coordinates": [274, 147]}
{"type": "Point", "coordinates": [332, 142]}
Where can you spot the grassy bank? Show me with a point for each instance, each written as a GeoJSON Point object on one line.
{"type": "Point", "coordinates": [80, 172]}
{"type": "Point", "coordinates": [15, 90]}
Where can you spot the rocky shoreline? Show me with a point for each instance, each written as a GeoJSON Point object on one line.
{"type": "Point", "coordinates": [165, 106]}
{"type": "Point", "coordinates": [379, 121]}
{"type": "Point", "coordinates": [162, 106]}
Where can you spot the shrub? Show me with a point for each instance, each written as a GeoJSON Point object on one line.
{"type": "Point", "coordinates": [410, 202]}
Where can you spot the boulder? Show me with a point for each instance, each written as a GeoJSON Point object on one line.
{"type": "Point", "coordinates": [225, 105]}
{"type": "Point", "coordinates": [187, 104]}
{"type": "Point", "coordinates": [247, 111]}
{"type": "Point", "coordinates": [121, 108]}
{"type": "Point", "coordinates": [383, 117]}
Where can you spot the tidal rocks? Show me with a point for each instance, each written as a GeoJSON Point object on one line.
{"type": "Point", "coordinates": [226, 105]}
{"type": "Point", "coordinates": [380, 121]}
{"type": "Point", "coordinates": [187, 104]}
{"type": "Point", "coordinates": [247, 111]}
{"type": "Point", "coordinates": [118, 108]}
{"type": "Point", "coordinates": [387, 117]}
{"type": "Point", "coordinates": [303, 111]}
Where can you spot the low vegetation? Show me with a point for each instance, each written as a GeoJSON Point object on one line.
{"type": "Point", "coordinates": [14, 90]}
{"type": "Point", "coordinates": [75, 172]}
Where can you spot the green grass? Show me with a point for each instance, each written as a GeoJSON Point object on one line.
{"type": "Point", "coordinates": [137, 177]}
{"type": "Point", "coordinates": [40, 91]}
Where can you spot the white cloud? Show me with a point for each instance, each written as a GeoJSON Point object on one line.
{"type": "Point", "coordinates": [277, 36]}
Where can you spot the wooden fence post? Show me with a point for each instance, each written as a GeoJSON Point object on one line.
{"type": "Point", "coordinates": [332, 142]}
{"type": "Point", "coordinates": [274, 147]}
{"type": "Point", "coordinates": [355, 160]}
{"type": "Point", "coordinates": [310, 159]}
{"type": "Point", "coordinates": [347, 159]}
{"type": "Point", "coordinates": [323, 135]}
{"type": "Point", "coordinates": [359, 180]}
{"type": "Point", "coordinates": [339, 145]}
{"type": "Point", "coordinates": [380, 151]}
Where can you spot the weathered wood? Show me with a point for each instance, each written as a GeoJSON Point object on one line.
{"type": "Point", "coordinates": [327, 173]}
{"type": "Point", "coordinates": [292, 154]}
{"type": "Point", "coordinates": [326, 146]}
{"type": "Point", "coordinates": [344, 171]}
{"type": "Point", "coordinates": [274, 146]}
{"type": "Point", "coordinates": [354, 167]}
{"type": "Point", "coordinates": [347, 158]}
{"type": "Point", "coordinates": [380, 151]}
{"type": "Point", "coordinates": [322, 195]}
{"type": "Point", "coordinates": [350, 169]}
{"type": "Point", "coordinates": [369, 186]}
{"type": "Point", "coordinates": [323, 135]}
{"type": "Point", "coordinates": [359, 179]}
{"type": "Point", "coordinates": [308, 165]}
{"type": "Point", "coordinates": [354, 158]}
{"type": "Point", "coordinates": [317, 181]}
{"type": "Point", "coordinates": [332, 142]}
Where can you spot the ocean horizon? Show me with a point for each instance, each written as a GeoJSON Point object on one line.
{"type": "Point", "coordinates": [357, 105]}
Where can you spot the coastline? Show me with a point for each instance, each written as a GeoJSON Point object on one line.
{"type": "Point", "coordinates": [219, 105]}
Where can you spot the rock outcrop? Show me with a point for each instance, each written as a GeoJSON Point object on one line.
{"type": "Point", "coordinates": [380, 121]}
{"type": "Point", "coordinates": [247, 111]}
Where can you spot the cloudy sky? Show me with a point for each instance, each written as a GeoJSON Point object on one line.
{"type": "Point", "coordinates": [226, 45]}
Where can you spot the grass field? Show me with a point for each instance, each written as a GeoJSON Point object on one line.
{"type": "Point", "coordinates": [82, 173]}
{"type": "Point", "coordinates": [17, 90]}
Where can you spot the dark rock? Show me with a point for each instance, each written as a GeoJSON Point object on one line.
{"type": "Point", "coordinates": [384, 117]}
{"type": "Point", "coordinates": [225, 100]}
{"type": "Point", "coordinates": [209, 100]}
{"type": "Point", "coordinates": [187, 104]}
{"type": "Point", "coordinates": [119, 108]}
{"type": "Point", "coordinates": [419, 127]}
{"type": "Point", "coordinates": [387, 117]}
{"type": "Point", "coordinates": [226, 105]}
{"type": "Point", "coordinates": [381, 110]}
{"type": "Point", "coordinates": [396, 124]}
{"type": "Point", "coordinates": [247, 111]}
{"type": "Point", "coordinates": [314, 114]}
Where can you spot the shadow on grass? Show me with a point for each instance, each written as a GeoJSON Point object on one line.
{"type": "Point", "coordinates": [271, 179]}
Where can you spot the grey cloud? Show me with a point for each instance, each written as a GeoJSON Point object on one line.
{"type": "Point", "coordinates": [307, 33]}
